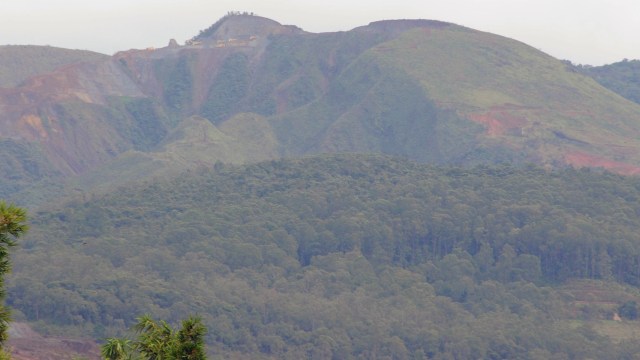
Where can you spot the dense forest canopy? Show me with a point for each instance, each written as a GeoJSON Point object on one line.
{"type": "Point", "coordinates": [342, 257]}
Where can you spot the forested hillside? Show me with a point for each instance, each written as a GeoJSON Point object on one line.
{"type": "Point", "coordinates": [347, 256]}
{"type": "Point", "coordinates": [622, 77]}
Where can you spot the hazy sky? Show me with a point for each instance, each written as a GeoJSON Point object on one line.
{"type": "Point", "coordinates": [583, 31]}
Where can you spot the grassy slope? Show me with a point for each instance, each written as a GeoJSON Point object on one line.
{"type": "Point", "coordinates": [414, 94]}
{"type": "Point", "coordinates": [369, 107]}
{"type": "Point", "coordinates": [20, 62]}
{"type": "Point", "coordinates": [194, 143]}
{"type": "Point", "coordinates": [522, 95]}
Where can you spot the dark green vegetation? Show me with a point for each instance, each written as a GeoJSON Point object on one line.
{"type": "Point", "coordinates": [140, 121]}
{"type": "Point", "coordinates": [157, 340]}
{"type": "Point", "coordinates": [12, 226]}
{"type": "Point", "coordinates": [344, 257]}
{"type": "Point", "coordinates": [22, 164]}
{"type": "Point", "coordinates": [177, 79]}
{"type": "Point", "coordinates": [229, 87]}
{"type": "Point", "coordinates": [622, 77]}
{"type": "Point", "coordinates": [629, 310]}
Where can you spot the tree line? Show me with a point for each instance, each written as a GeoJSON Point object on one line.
{"type": "Point", "coordinates": [343, 256]}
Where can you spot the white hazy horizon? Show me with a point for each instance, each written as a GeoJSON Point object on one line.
{"type": "Point", "coordinates": [593, 32]}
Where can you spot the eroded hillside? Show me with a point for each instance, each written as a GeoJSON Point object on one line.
{"type": "Point", "coordinates": [427, 90]}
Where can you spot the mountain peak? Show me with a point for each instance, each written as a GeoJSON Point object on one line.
{"type": "Point", "coordinates": [398, 26]}
{"type": "Point", "coordinates": [236, 25]}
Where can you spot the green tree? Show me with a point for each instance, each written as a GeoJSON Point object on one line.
{"type": "Point", "coordinates": [156, 340]}
{"type": "Point", "coordinates": [629, 310]}
{"type": "Point", "coordinates": [12, 225]}
{"type": "Point", "coordinates": [116, 349]}
{"type": "Point", "coordinates": [190, 340]}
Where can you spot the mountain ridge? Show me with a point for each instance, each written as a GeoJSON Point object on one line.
{"type": "Point", "coordinates": [20, 62]}
{"type": "Point", "coordinates": [414, 88]}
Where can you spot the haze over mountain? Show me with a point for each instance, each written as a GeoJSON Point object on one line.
{"type": "Point", "coordinates": [178, 199]}
{"type": "Point", "coordinates": [427, 90]}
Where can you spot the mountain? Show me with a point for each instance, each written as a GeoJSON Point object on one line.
{"type": "Point", "coordinates": [202, 178]}
{"type": "Point", "coordinates": [21, 62]}
{"type": "Point", "coordinates": [427, 90]}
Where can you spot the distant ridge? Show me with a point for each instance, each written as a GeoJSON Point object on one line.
{"type": "Point", "coordinates": [20, 62]}
{"type": "Point", "coordinates": [398, 26]}
{"type": "Point", "coordinates": [236, 24]}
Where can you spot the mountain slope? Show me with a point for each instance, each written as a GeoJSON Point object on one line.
{"type": "Point", "coordinates": [427, 90]}
{"type": "Point", "coordinates": [194, 143]}
{"type": "Point", "coordinates": [526, 100]}
{"type": "Point", "coordinates": [20, 62]}
{"type": "Point", "coordinates": [388, 87]}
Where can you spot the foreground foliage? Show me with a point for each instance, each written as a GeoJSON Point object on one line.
{"type": "Point", "coordinates": [12, 226]}
{"type": "Point", "coordinates": [157, 340]}
{"type": "Point", "coordinates": [345, 257]}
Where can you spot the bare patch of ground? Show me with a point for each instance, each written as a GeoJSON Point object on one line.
{"type": "Point", "coordinates": [502, 120]}
{"type": "Point", "coordinates": [583, 159]}
{"type": "Point", "coordinates": [26, 344]}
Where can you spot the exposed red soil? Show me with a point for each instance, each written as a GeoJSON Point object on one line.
{"type": "Point", "coordinates": [583, 159]}
{"type": "Point", "coordinates": [500, 121]}
{"type": "Point", "coordinates": [30, 112]}
{"type": "Point", "coordinates": [505, 120]}
{"type": "Point", "coordinates": [26, 344]}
